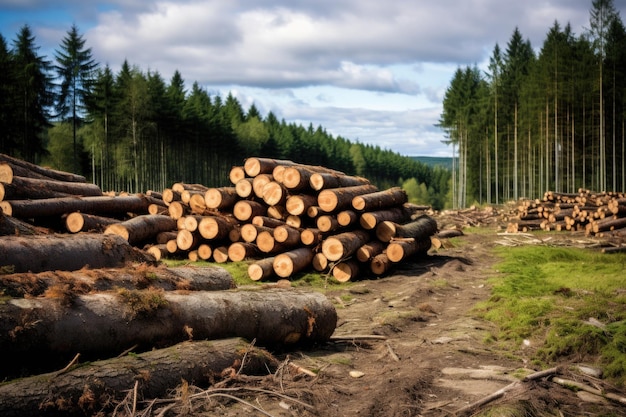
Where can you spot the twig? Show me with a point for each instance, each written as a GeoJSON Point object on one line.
{"type": "Point", "coordinates": [302, 370]}
{"type": "Point", "coordinates": [579, 385]}
{"type": "Point", "coordinates": [392, 353]}
{"type": "Point", "coordinates": [69, 365]}
{"type": "Point", "coordinates": [357, 337]}
{"type": "Point", "coordinates": [127, 351]}
{"type": "Point", "coordinates": [243, 360]}
{"type": "Point", "coordinates": [135, 397]}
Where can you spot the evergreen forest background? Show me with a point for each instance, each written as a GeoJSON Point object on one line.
{"type": "Point", "coordinates": [553, 119]}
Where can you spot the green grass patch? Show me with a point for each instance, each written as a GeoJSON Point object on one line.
{"type": "Point", "coordinates": [549, 294]}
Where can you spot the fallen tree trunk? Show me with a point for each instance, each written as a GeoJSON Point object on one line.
{"type": "Point", "coordinates": [94, 388]}
{"type": "Point", "coordinates": [141, 228]}
{"type": "Point", "coordinates": [68, 284]}
{"type": "Point", "coordinates": [26, 209]}
{"type": "Point", "coordinates": [42, 328]}
{"type": "Point", "coordinates": [10, 226]}
{"type": "Point", "coordinates": [14, 192]}
{"type": "Point", "coordinates": [67, 252]}
{"type": "Point", "coordinates": [380, 264]}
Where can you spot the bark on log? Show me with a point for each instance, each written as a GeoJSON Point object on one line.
{"type": "Point", "coordinates": [420, 228]}
{"type": "Point", "coordinates": [10, 226]}
{"type": "Point", "coordinates": [320, 262]}
{"type": "Point", "coordinates": [30, 188]}
{"type": "Point", "coordinates": [186, 240]}
{"type": "Point", "coordinates": [287, 235]}
{"type": "Point", "coordinates": [255, 166]}
{"type": "Point", "coordinates": [278, 212]}
{"type": "Point", "coordinates": [370, 220]}
{"type": "Point", "coordinates": [291, 262]}
{"type": "Point", "coordinates": [347, 218]}
{"type": "Point", "coordinates": [380, 264]}
{"type": "Point", "coordinates": [95, 388]}
{"type": "Point", "coordinates": [197, 204]}
{"type": "Point", "coordinates": [82, 222]}
{"type": "Point", "coordinates": [297, 178]}
{"type": "Point", "coordinates": [43, 328]}
{"type": "Point", "coordinates": [67, 252]}
{"type": "Point", "coordinates": [27, 169]}
{"type": "Point", "coordinates": [346, 271]}
{"type": "Point", "coordinates": [26, 209]}
{"type": "Point", "coordinates": [335, 199]}
{"type": "Point", "coordinates": [244, 210]}
{"type": "Point", "coordinates": [176, 210]}
{"type": "Point", "coordinates": [220, 254]}
{"type": "Point", "coordinates": [391, 197]}
{"type": "Point", "coordinates": [261, 269]}
{"type": "Point", "coordinates": [239, 251]}
{"type": "Point", "coordinates": [216, 227]}
{"type": "Point", "coordinates": [311, 236]}
{"type": "Point", "coordinates": [297, 205]}
{"type": "Point", "coordinates": [158, 251]}
{"type": "Point", "coordinates": [402, 249]}
{"type": "Point", "coordinates": [327, 223]}
{"type": "Point", "coordinates": [64, 284]}
{"type": "Point", "coordinates": [342, 245]}
{"type": "Point", "coordinates": [372, 248]}
{"type": "Point", "coordinates": [141, 228]}
{"type": "Point", "coordinates": [266, 242]}
{"type": "Point", "coordinates": [320, 181]}
{"type": "Point", "coordinates": [169, 196]}
{"type": "Point", "coordinates": [222, 198]}
{"type": "Point", "coordinates": [249, 231]}
{"type": "Point", "coordinates": [267, 221]}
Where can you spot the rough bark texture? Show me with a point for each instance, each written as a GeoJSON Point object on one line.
{"type": "Point", "coordinates": [344, 244]}
{"type": "Point", "coordinates": [335, 199]}
{"type": "Point", "coordinates": [288, 263]}
{"type": "Point", "coordinates": [391, 197]}
{"type": "Point", "coordinates": [141, 228]}
{"type": "Point", "coordinates": [27, 169]}
{"type": "Point", "coordinates": [67, 252]}
{"type": "Point", "coordinates": [98, 386]}
{"type": "Point", "coordinates": [420, 228]}
{"type": "Point", "coordinates": [81, 222]}
{"type": "Point", "coordinates": [31, 187]}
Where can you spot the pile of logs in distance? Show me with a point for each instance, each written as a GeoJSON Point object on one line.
{"type": "Point", "coordinates": [597, 214]}
{"type": "Point", "coordinates": [282, 216]}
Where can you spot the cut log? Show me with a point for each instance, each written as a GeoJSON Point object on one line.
{"type": "Point", "coordinates": [256, 166]}
{"type": "Point", "coordinates": [82, 222]}
{"type": "Point", "coordinates": [297, 205]}
{"type": "Point", "coordinates": [327, 223]}
{"type": "Point", "coordinates": [320, 262]}
{"type": "Point", "coordinates": [245, 210]}
{"type": "Point", "coordinates": [96, 387]}
{"type": "Point", "coordinates": [249, 231]}
{"type": "Point", "coordinates": [197, 204]}
{"type": "Point", "coordinates": [297, 178]}
{"type": "Point", "coordinates": [274, 194]}
{"type": "Point", "coordinates": [268, 244]}
{"type": "Point", "coordinates": [204, 251]}
{"type": "Point", "coordinates": [33, 188]}
{"type": "Point", "coordinates": [67, 284]}
{"type": "Point", "coordinates": [158, 251]}
{"type": "Point", "coordinates": [259, 182]}
{"type": "Point", "coordinates": [169, 196]}
{"type": "Point", "coordinates": [287, 235]}
{"type": "Point", "coordinates": [347, 218]}
{"type": "Point", "coordinates": [368, 251]}
{"type": "Point", "coordinates": [291, 262]}
{"type": "Point", "coordinates": [10, 226]}
{"type": "Point", "coordinates": [420, 228]}
{"type": "Point", "coordinates": [220, 254]}
{"type": "Point", "coordinates": [236, 174]}
{"type": "Point", "coordinates": [176, 210]}
{"type": "Point", "coordinates": [370, 220]}
{"type": "Point", "coordinates": [346, 270]}
{"type": "Point", "coordinates": [180, 187]}
{"type": "Point", "coordinates": [261, 269]}
{"type": "Point", "coordinates": [67, 252]}
{"type": "Point", "coordinates": [320, 181]}
{"type": "Point", "coordinates": [222, 198]}
{"type": "Point", "coordinates": [244, 187]}
{"type": "Point", "coordinates": [239, 251]}
{"type": "Point", "coordinates": [401, 249]}
{"type": "Point", "coordinates": [27, 209]}
{"type": "Point", "coordinates": [216, 227]}
{"type": "Point", "coordinates": [335, 199]}
{"type": "Point", "coordinates": [380, 264]}
{"type": "Point", "coordinates": [26, 169]}
{"type": "Point", "coordinates": [186, 240]}
{"type": "Point", "coordinates": [277, 212]}
{"type": "Point", "coordinates": [311, 236]}
{"type": "Point", "coordinates": [391, 197]}
{"type": "Point", "coordinates": [190, 222]}
{"type": "Point", "coordinates": [267, 221]}
{"type": "Point", "coordinates": [345, 244]}
{"type": "Point", "coordinates": [141, 228]}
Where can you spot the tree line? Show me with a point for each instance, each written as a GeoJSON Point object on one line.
{"type": "Point", "coordinates": [133, 131]}
{"type": "Point", "coordinates": [552, 119]}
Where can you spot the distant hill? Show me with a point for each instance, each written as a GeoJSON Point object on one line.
{"type": "Point", "coordinates": [443, 161]}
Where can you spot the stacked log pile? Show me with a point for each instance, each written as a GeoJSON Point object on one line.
{"type": "Point", "coordinates": [595, 214]}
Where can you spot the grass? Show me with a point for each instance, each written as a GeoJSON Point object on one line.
{"type": "Point", "coordinates": [549, 295]}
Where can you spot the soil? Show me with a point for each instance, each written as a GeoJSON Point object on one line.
{"type": "Point", "coordinates": [430, 357]}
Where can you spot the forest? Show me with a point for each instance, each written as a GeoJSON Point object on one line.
{"type": "Point", "coordinates": [133, 131]}
{"type": "Point", "coordinates": [552, 118]}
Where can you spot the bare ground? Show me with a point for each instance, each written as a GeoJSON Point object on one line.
{"type": "Point", "coordinates": [431, 357]}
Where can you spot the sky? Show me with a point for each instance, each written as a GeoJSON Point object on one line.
{"type": "Point", "coordinates": [370, 71]}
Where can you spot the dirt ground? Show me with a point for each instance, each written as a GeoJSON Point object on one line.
{"type": "Point", "coordinates": [430, 357]}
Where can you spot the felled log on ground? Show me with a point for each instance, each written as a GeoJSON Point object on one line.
{"type": "Point", "coordinates": [67, 252]}
{"type": "Point", "coordinates": [97, 387]}
{"type": "Point", "coordinates": [10, 226]}
{"type": "Point", "coordinates": [261, 269]}
{"type": "Point", "coordinates": [23, 168]}
{"type": "Point", "coordinates": [32, 188]}
{"type": "Point", "coordinates": [293, 261]}
{"type": "Point", "coordinates": [82, 222]}
{"type": "Point", "coordinates": [64, 285]}
{"type": "Point", "coordinates": [369, 220]}
{"type": "Point", "coordinates": [44, 329]}
{"type": "Point", "coordinates": [401, 249]}
{"type": "Point", "coordinates": [420, 228]}
{"type": "Point", "coordinates": [142, 227]}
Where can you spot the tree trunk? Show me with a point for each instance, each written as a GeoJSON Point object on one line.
{"type": "Point", "coordinates": [391, 197]}
{"type": "Point", "coordinates": [216, 227]}
{"type": "Point", "coordinates": [297, 205]}
{"type": "Point", "coordinates": [10, 226]}
{"type": "Point", "coordinates": [400, 250]}
{"type": "Point", "coordinates": [334, 199]}
{"type": "Point", "coordinates": [372, 248]}
{"type": "Point", "coordinates": [27, 209]}
{"type": "Point", "coordinates": [22, 168]}
{"type": "Point", "coordinates": [84, 281]}
{"type": "Point", "coordinates": [141, 228]}
{"type": "Point", "coordinates": [239, 251]}
{"type": "Point", "coordinates": [422, 227]}
{"type": "Point", "coordinates": [380, 264]}
{"type": "Point", "coordinates": [261, 269]}
{"type": "Point", "coordinates": [104, 324]}
{"type": "Point", "coordinates": [346, 271]}
{"type": "Point", "coordinates": [222, 198]}
{"type": "Point", "coordinates": [267, 221]}
{"type": "Point", "coordinates": [31, 188]}
{"type": "Point", "coordinates": [96, 387]}
{"type": "Point", "coordinates": [321, 181]}
{"type": "Point", "coordinates": [342, 245]}
{"type": "Point", "coordinates": [288, 263]}
{"type": "Point", "coordinates": [82, 222]}
{"type": "Point", "coordinates": [67, 252]}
